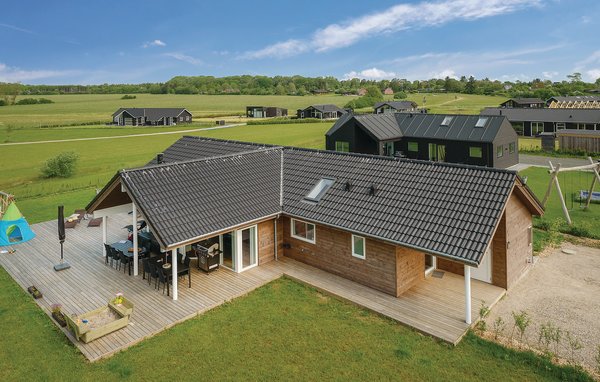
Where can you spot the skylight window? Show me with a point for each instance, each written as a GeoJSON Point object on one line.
{"type": "Point", "coordinates": [447, 120]}
{"type": "Point", "coordinates": [481, 122]}
{"type": "Point", "coordinates": [319, 190]}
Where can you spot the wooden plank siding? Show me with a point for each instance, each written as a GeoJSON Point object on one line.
{"type": "Point", "coordinates": [587, 143]}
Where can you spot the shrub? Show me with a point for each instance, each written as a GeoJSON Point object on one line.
{"type": "Point", "coordinates": [400, 95]}
{"type": "Point", "coordinates": [61, 166]}
{"type": "Point", "coordinates": [45, 100]}
{"type": "Point", "coordinates": [499, 326]}
{"type": "Point", "coordinates": [127, 96]}
{"type": "Point", "coordinates": [521, 323]}
{"type": "Point", "coordinates": [2, 102]}
{"type": "Point", "coordinates": [33, 101]}
{"type": "Point", "coordinates": [285, 121]}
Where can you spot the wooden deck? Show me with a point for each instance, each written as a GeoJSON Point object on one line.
{"type": "Point", "coordinates": [434, 307]}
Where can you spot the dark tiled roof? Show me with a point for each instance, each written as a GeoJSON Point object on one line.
{"type": "Point", "coordinates": [186, 200]}
{"type": "Point", "coordinates": [190, 147]}
{"type": "Point", "coordinates": [448, 210]}
{"type": "Point", "coordinates": [524, 101]}
{"type": "Point", "coordinates": [445, 209]}
{"type": "Point", "coordinates": [153, 114]}
{"type": "Point", "coordinates": [417, 125]}
{"type": "Point", "coordinates": [546, 114]}
{"type": "Point", "coordinates": [326, 108]}
{"type": "Point", "coordinates": [398, 105]}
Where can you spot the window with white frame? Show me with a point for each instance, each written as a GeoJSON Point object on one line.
{"type": "Point", "coordinates": [500, 151]}
{"type": "Point", "coordinates": [358, 247]}
{"type": "Point", "coordinates": [537, 127]}
{"type": "Point", "coordinates": [303, 231]}
{"type": "Point", "coordinates": [512, 147]}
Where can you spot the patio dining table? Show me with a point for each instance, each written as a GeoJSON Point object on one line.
{"type": "Point", "coordinates": [124, 246]}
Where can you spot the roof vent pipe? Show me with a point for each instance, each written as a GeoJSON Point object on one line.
{"type": "Point", "coordinates": [159, 158]}
{"type": "Point", "coordinates": [348, 186]}
{"type": "Point", "coordinates": [373, 190]}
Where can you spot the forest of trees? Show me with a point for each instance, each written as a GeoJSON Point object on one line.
{"type": "Point", "coordinates": [298, 85]}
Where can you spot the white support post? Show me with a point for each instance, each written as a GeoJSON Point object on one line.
{"type": "Point", "coordinates": [468, 294]}
{"type": "Point", "coordinates": [104, 234]}
{"type": "Point", "coordinates": [134, 230]}
{"type": "Point", "coordinates": [174, 274]}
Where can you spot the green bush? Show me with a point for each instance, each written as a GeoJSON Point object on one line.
{"type": "Point", "coordinates": [285, 121]}
{"type": "Point", "coordinates": [45, 100]}
{"type": "Point", "coordinates": [373, 96]}
{"type": "Point", "coordinates": [3, 102]}
{"type": "Point", "coordinates": [61, 166]}
{"type": "Point", "coordinates": [127, 96]}
{"type": "Point", "coordinates": [400, 95]}
{"type": "Point", "coordinates": [33, 101]}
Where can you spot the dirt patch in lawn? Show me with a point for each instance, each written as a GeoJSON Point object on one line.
{"type": "Point", "coordinates": [561, 289]}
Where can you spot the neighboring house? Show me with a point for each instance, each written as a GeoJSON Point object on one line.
{"type": "Point", "coordinates": [394, 106]}
{"type": "Point", "coordinates": [579, 140]}
{"type": "Point", "coordinates": [151, 116]}
{"type": "Point", "coordinates": [388, 91]}
{"type": "Point", "coordinates": [574, 102]}
{"type": "Point", "coordinates": [265, 112]}
{"type": "Point", "coordinates": [532, 122]}
{"type": "Point", "coordinates": [361, 92]}
{"type": "Point", "coordinates": [383, 222]}
{"type": "Point", "coordinates": [327, 111]}
{"type": "Point", "coordinates": [470, 139]}
{"type": "Point", "coordinates": [524, 103]}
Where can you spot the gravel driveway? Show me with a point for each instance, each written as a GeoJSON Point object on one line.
{"type": "Point", "coordinates": [564, 290]}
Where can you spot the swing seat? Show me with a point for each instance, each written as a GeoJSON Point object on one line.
{"type": "Point", "coordinates": [583, 195]}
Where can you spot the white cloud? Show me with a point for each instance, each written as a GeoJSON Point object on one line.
{"type": "Point", "coordinates": [397, 18]}
{"type": "Point", "coordinates": [279, 50]}
{"type": "Point", "coordinates": [589, 66]}
{"type": "Point", "coordinates": [15, 28]}
{"type": "Point", "coordinates": [443, 74]}
{"type": "Point", "coordinates": [153, 43]}
{"type": "Point", "coordinates": [593, 74]}
{"type": "Point", "coordinates": [550, 75]}
{"type": "Point", "coordinates": [184, 58]}
{"type": "Point", "coordinates": [370, 74]}
{"type": "Point", "coordinates": [13, 74]}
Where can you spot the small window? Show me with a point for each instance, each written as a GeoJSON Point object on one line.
{"type": "Point", "coordinates": [413, 146]}
{"type": "Point", "coordinates": [475, 152]}
{"type": "Point", "coordinates": [560, 125]}
{"type": "Point", "coordinates": [481, 122]}
{"type": "Point", "coordinates": [500, 151]}
{"type": "Point", "coordinates": [303, 231]}
{"type": "Point", "coordinates": [358, 247]}
{"type": "Point", "coordinates": [342, 146]}
{"type": "Point", "coordinates": [319, 189]}
{"type": "Point", "coordinates": [511, 147]}
{"type": "Point", "coordinates": [447, 120]}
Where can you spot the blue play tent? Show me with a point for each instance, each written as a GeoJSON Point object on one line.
{"type": "Point", "coordinates": [13, 227]}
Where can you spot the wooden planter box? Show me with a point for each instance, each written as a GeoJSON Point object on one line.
{"type": "Point", "coordinates": [125, 308]}
{"type": "Point", "coordinates": [87, 332]}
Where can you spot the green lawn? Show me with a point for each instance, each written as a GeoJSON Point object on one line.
{"type": "Point", "coordinates": [100, 159]}
{"type": "Point", "coordinates": [570, 182]}
{"type": "Point", "coordinates": [282, 331]}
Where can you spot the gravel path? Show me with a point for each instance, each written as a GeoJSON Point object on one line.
{"type": "Point", "coordinates": [564, 290]}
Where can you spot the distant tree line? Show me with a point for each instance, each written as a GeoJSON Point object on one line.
{"type": "Point", "coordinates": [298, 85]}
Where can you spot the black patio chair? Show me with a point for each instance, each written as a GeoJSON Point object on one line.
{"type": "Point", "coordinates": [163, 279]}
{"type": "Point", "coordinates": [125, 261]}
{"type": "Point", "coordinates": [109, 255]}
{"type": "Point", "coordinates": [149, 269]}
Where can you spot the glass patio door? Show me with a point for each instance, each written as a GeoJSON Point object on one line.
{"type": "Point", "coordinates": [437, 153]}
{"type": "Point", "coordinates": [227, 246]}
{"type": "Point", "coordinates": [247, 248]}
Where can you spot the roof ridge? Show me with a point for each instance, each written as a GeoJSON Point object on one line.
{"type": "Point", "coordinates": [197, 160]}
{"type": "Point", "coordinates": [231, 141]}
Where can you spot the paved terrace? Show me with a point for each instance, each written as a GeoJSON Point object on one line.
{"type": "Point", "coordinates": [434, 307]}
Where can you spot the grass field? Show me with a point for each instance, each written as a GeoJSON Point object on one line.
{"type": "Point", "coordinates": [85, 108]}
{"type": "Point", "coordinates": [100, 159]}
{"type": "Point", "coordinates": [571, 183]}
{"type": "Point", "coordinates": [282, 331]}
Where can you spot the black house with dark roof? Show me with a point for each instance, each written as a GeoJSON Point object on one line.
{"type": "Point", "coordinates": [383, 222]}
{"type": "Point", "coordinates": [524, 103]}
{"type": "Point", "coordinates": [327, 111]}
{"type": "Point", "coordinates": [476, 140]}
{"type": "Point", "coordinates": [394, 106]}
{"type": "Point", "coordinates": [155, 116]}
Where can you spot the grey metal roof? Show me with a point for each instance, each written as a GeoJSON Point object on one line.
{"type": "Point", "coordinates": [383, 126]}
{"type": "Point", "coordinates": [152, 114]}
{"type": "Point", "coordinates": [189, 199]}
{"type": "Point", "coordinates": [546, 114]}
{"type": "Point", "coordinates": [591, 133]}
{"type": "Point", "coordinates": [444, 209]}
{"type": "Point", "coordinates": [398, 105]}
{"type": "Point", "coordinates": [191, 147]}
{"type": "Point", "coordinates": [387, 126]}
{"type": "Point", "coordinates": [524, 101]}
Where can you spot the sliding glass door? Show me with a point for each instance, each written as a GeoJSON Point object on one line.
{"type": "Point", "coordinates": [239, 249]}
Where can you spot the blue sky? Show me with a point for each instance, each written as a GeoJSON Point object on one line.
{"type": "Point", "coordinates": [84, 42]}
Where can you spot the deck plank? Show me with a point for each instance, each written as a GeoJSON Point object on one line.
{"type": "Point", "coordinates": [434, 306]}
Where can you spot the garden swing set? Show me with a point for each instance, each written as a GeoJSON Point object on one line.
{"type": "Point", "coordinates": [589, 195]}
